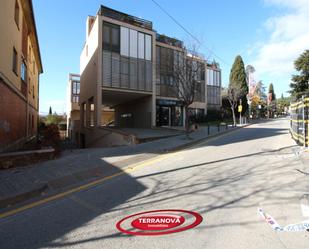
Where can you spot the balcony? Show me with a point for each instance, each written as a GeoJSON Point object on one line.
{"type": "Point", "coordinates": [117, 15]}
{"type": "Point", "coordinates": [169, 40]}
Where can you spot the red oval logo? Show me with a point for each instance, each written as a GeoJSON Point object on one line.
{"type": "Point", "coordinates": [159, 222]}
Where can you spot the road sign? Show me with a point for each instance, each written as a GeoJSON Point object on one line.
{"type": "Point", "coordinates": [240, 108]}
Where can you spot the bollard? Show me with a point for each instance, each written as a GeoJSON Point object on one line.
{"type": "Point", "coordinates": [226, 126]}
{"type": "Point", "coordinates": [208, 130]}
{"type": "Point", "coordinates": [218, 127]}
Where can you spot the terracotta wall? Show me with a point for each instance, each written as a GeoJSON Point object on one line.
{"type": "Point", "coordinates": [12, 116]}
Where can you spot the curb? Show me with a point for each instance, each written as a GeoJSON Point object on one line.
{"type": "Point", "coordinates": [189, 144]}
{"type": "Point", "coordinates": [145, 140]}
{"type": "Point", "coordinates": [52, 186]}
{"type": "Point", "coordinates": [12, 200]}
{"type": "Point", "coordinates": [58, 184]}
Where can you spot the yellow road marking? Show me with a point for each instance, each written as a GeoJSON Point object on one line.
{"type": "Point", "coordinates": [127, 169]}
{"type": "Point", "coordinates": [88, 185]}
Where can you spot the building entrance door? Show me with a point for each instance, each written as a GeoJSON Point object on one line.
{"type": "Point", "coordinates": [165, 116]}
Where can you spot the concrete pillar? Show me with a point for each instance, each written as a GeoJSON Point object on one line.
{"type": "Point", "coordinates": [88, 113]}
{"type": "Point", "coordinates": [184, 118]}
{"type": "Point", "coordinates": [98, 99]}
{"type": "Point", "coordinates": [154, 90]}
{"type": "Point", "coordinates": [154, 110]}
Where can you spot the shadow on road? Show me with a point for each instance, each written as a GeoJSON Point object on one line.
{"type": "Point", "coordinates": [208, 185]}
{"type": "Point", "coordinates": [249, 133]}
{"type": "Point", "coordinates": [154, 147]}
{"type": "Point", "coordinates": [46, 225]}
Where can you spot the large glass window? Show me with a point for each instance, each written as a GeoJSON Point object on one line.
{"type": "Point", "coordinates": [106, 36]}
{"type": "Point", "coordinates": [163, 60]}
{"type": "Point", "coordinates": [211, 77]}
{"type": "Point", "coordinates": [133, 43]}
{"type": "Point", "coordinates": [76, 87]}
{"type": "Point", "coordinates": [167, 59]}
{"type": "Point", "coordinates": [141, 46]}
{"type": "Point", "coordinates": [107, 68]}
{"type": "Point", "coordinates": [124, 41]}
{"type": "Point", "coordinates": [75, 99]}
{"type": "Point", "coordinates": [217, 79]}
{"type": "Point", "coordinates": [128, 67]}
{"type": "Point", "coordinates": [115, 70]}
{"type": "Point", "coordinates": [202, 71]}
{"type": "Point", "coordinates": [133, 73]}
{"type": "Point", "coordinates": [111, 37]}
{"type": "Point", "coordinates": [148, 47]}
{"type": "Point", "coordinates": [148, 75]}
{"type": "Point", "coordinates": [124, 72]}
{"type": "Point", "coordinates": [176, 58]}
{"type": "Point", "coordinates": [23, 73]}
{"type": "Point", "coordinates": [115, 39]}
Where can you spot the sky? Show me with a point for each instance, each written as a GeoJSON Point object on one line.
{"type": "Point", "coordinates": [268, 34]}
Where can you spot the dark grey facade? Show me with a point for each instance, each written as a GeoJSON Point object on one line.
{"type": "Point", "coordinates": [213, 80]}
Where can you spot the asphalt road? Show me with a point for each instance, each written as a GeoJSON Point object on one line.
{"type": "Point", "coordinates": [225, 180]}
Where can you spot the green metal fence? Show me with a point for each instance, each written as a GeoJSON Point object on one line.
{"type": "Point", "coordinates": [299, 120]}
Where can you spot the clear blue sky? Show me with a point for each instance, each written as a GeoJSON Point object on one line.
{"type": "Point", "coordinates": [254, 29]}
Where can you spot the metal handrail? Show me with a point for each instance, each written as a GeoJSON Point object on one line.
{"type": "Point", "coordinates": [108, 12]}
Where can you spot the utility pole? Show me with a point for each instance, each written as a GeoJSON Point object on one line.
{"type": "Point", "coordinates": [304, 130]}
{"type": "Point", "coordinates": [249, 94]}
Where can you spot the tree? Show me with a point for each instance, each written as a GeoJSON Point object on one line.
{"type": "Point", "coordinates": [187, 72]}
{"type": "Point", "coordinates": [300, 83]}
{"type": "Point", "coordinates": [260, 90]}
{"type": "Point", "coordinates": [249, 70]}
{"type": "Point", "coordinates": [282, 105]}
{"type": "Point", "coordinates": [271, 93]}
{"type": "Point", "coordinates": [53, 119]}
{"type": "Point", "coordinates": [226, 107]}
{"type": "Point", "coordinates": [238, 88]}
{"type": "Point", "coordinates": [271, 100]}
{"type": "Point", "coordinates": [50, 111]}
{"type": "Point", "coordinates": [251, 86]}
{"type": "Point", "coordinates": [234, 95]}
{"type": "Point", "coordinates": [255, 105]}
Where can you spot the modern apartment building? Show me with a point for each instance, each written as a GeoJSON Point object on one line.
{"type": "Point", "coordinates": [20, 67]}
{"type": "Point", "coordinates": [126, 69]}
{"type": "Point", "coordinates": [169, 109]}
{"type": "Point", "coordinates": [73, 108]}
{"type": "Point", "coordinates": [213, 80]}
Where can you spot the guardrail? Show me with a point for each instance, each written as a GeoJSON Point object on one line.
{"type": "Point", "coordinates": [299, 121]}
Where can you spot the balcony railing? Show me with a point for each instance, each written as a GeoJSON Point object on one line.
{"type": "Point", "coordinates": [169, 40]}
{"type": "Point", "coordinates": [117, 15]}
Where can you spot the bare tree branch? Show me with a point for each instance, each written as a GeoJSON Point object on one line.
{"type": "Point", "coordinates": [187, 76]}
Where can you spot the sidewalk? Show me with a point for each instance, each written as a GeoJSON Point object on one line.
{"type": "Point", "coordinates": [83, 165]}
{"type": "Point", "coordinates": [304, 157]}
